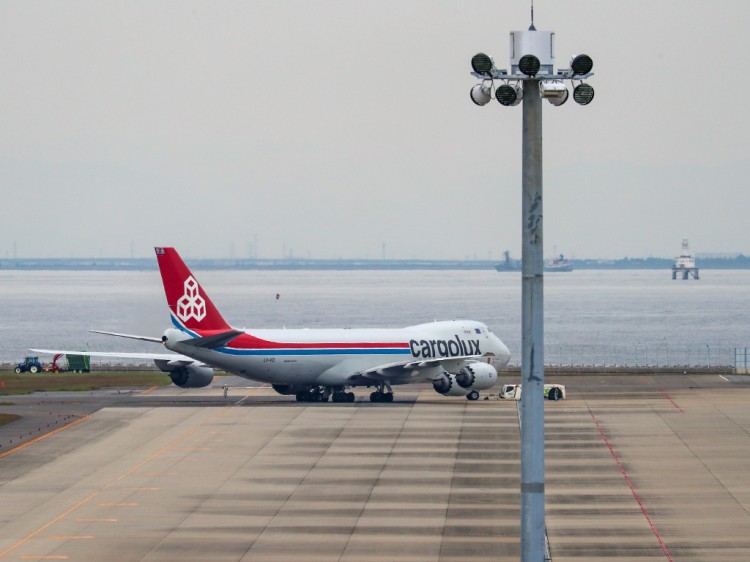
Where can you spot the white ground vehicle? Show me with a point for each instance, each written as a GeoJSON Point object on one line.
{"type": "Point", "coordinates": [551, 391]}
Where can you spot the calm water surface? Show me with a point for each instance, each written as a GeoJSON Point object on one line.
{"type": "Point", "coordinates": [591, 317]}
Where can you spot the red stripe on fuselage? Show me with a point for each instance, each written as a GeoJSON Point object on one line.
{"type": "Point", "coordinates": [247, 341]}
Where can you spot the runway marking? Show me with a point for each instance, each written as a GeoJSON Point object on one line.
{"type": "Point", "coordinates": [632, 488]}
{"type": "Point", "coordinates": [71, 537]}
{"type": "Point", "coordinates": [723, 377]}
{"type": "Point", "coordinates": [70, 510]}
{"type": "Point", "coordinates": [36, 439]}
{"type": "Point", "coordinates": [665, 395]}
{"type": "Point", "coordinates": [150, 389]}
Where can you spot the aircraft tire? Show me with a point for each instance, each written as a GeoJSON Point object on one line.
{"type": "Point", "coordinates": [473, 395]}
{"type": "Point", "coordinates": [388, 397]}
{"type": "Point", "coordinates": [350, 397]}
{"type": "Point", "coordinates": [375, 396]}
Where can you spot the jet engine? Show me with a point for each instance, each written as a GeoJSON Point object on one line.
{"type": "Point", "coordinates": [477, 376]}
{"type": "Point", "coordinates": [447, 385]}
{"type": "Point", "coordinates": [187, 376]}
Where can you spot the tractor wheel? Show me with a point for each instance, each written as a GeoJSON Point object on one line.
{"type": "Point", "coordinates": [34, 369]}
{"type": "Point", "coordinates": [18, 370]}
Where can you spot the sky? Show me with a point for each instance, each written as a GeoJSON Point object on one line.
{"type": "Point", "coordinates": [344, 129]}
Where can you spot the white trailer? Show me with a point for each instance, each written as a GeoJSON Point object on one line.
{"type": "Point", "coordinates": [551, 391]}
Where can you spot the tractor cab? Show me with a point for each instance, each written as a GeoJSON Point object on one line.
{"type": "Point", "coordinates": [29, 365]}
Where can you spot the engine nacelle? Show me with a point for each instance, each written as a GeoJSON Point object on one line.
{"type": "Point", "coordinates": [187, 376]}
{"type": "Point", "coordinates": [447, 386]}
{"type": "Point", "coordinates": [477, 376]}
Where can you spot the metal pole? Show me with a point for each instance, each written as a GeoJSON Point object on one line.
{"type": "Point", "coordinates": [532, 327]}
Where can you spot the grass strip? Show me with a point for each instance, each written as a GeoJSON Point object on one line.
{"type": "Point", "coordinates": [27, 383]}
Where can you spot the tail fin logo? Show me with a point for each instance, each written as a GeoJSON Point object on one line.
{"type": "Point", "coordinates": [191, 304]}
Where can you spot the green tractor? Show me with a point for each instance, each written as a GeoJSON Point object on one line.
{"type": "Point", "coordinates": [29, 365]}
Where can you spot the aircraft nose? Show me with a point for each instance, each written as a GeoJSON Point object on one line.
{"type": "Point", "coordinates": [503, 354]}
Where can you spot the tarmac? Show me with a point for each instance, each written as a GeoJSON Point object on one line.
{"type": "Point", "coordinates": [639, 467]}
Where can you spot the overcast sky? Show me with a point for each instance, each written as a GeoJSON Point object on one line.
{"type": "Point", "coordinates": [337, 129]}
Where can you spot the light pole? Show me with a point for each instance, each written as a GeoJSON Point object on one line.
{"type": "Point", "coordinates": [531, 79]}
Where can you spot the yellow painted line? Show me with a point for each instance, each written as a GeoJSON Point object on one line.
{"type": "Point", "coordinates": [94, 494]}
{"type": "Point", "coordinates": [96, 520]}
{"type": "Point", "coordinates": [249, 394]}
{"type": "Point", "coordinates": [118, 504]}
{"type": "Point", "coordinates": [71, 537]}
{"type": "Point", "coordinates": [149, 389]}
{"type": "Point", "coordinates": [21, 446]}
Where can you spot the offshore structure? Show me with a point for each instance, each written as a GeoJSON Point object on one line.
{"type": "Point", "coordinates": [685, 263]}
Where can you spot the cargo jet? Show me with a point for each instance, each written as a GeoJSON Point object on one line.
{"type": "Point", "coordinates": [459, 358]}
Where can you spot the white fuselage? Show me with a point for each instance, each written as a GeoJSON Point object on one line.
{"type": "Point", "coordinates": [330, 356]}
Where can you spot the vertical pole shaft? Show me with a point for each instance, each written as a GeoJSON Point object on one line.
{"type": "Point", "coordinates": [532, 327]}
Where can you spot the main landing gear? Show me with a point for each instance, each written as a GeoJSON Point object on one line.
{"type": "Point", "coordinates": [384, 393]}
{"type": "Point", "coordinates": [321, 394]}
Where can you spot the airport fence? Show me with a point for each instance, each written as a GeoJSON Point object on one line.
{"type": "Point", "coordinates": [646, 355]}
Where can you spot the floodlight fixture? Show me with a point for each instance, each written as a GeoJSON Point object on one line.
{"type": "Point", "coordinates": [554, 91]}
{"type": "Point", "coordinates": [529, 65]}
{"type": "Point", "coordinates": [482, 64]}
{"type": "Point", "coordinates": [583, 94]}
{"type": "Point", "coordinates": [509, 95]}
{"type": "Point", "coordinates": [581, 64]}
{"type": "Point", "coordinates": [481, 94]}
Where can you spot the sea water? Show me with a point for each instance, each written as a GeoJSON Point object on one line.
{"type": "Point", "coordinates": [592, 317]}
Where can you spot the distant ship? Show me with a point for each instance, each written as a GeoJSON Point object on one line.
{"type": "Point", "coordinates": [684, 263]}
{"type": "Point", "coordinates": [560, 263]}
{"type": "Point", "coordinates": [508, 264]}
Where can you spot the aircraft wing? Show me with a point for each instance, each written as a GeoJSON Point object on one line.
{"type": "Point", "coordinates": [122, 354]}
{"type": "Point", "coordinates": [129, 336]}
{"type": "Point", "coordinates": [407, 371]}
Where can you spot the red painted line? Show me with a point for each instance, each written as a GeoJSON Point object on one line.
{"type": "Point", "coordinates": [665, 395]}
{"type": "Point", "coordinates": [632, 489]}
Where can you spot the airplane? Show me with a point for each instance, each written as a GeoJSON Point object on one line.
{"type": "Point", "coordinates": [459, 358]}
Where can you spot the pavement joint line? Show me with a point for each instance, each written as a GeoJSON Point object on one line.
{"type": "Point", "coordinates": [632, 488]}
{"type": "Point", "coordinates": [279, 431]}
{"type": "Point", "coordinates": [97, 492]}
{"type": "Point", "coordinates": [36, 439]}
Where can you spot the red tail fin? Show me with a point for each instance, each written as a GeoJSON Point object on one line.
{"type": "Point", "coordinates": [188, 302]}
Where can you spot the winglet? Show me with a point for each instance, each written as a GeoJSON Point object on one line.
{"type": "Point", "coordinates": [188, 302]}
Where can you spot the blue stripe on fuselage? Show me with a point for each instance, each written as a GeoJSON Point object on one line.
{"type": "Point", "coordinates": [316, 351]}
